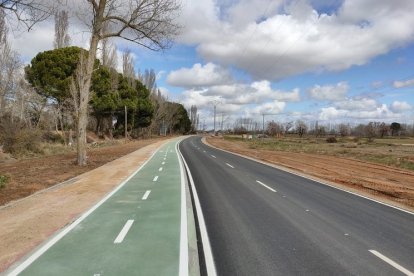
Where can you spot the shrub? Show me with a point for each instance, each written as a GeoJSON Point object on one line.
{"type": "Point", "coordinates": [331, 140]}
{"type": "Point", "coordinates": [18, 139]}
{"type": "Point", "coordinates": [3, 181]}
{"type": "Point", "coordinates": [50, 136]}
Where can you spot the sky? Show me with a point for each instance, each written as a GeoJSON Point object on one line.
{"type": "Point", "coordinates": [330, 61]}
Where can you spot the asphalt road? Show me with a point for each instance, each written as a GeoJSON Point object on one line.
{"type": "Point", "coordinates": [264, 221]}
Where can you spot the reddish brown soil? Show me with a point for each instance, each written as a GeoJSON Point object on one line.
{"type": "Point", "coordinates": [389, 184]}
{"type": "Point", "coordinates": [31, 175]}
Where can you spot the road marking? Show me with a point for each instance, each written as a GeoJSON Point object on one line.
{"type": "Point", "coordinates": [124, 231]}
{"type": "Point", "coordinates": [163, 163]}
{"type": "Point", "coordinates": [229, 165]}
{"type": "Point", "coordinates": [183, 266]}
{"type": "Point", "coordinates": [204, 151]}
{"type": "Point", "coordinates": [391, 262]}
{"type": "Point", "coordinates": [146, 195]}
{"type": "Point", "coordinates": [208, 255]}
{"type": "Point", "coordinates": [160, 169]}
{"type": "Point", "coordinates": [155, 178]}
{"type": "Point", "coordinates": [165, 158]}
{"type": "Point", "coordinates": [213, 156]}
{"type": "Point", "coordinates": [264, 185]}
{"type": "Point", "coordinates": [307, 210]}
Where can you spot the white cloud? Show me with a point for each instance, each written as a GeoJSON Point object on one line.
{"type": "Point", "coordinates": [401, 84]}
{"type": "Point", "coordinates": [357, 104]}
{"type": "Point", "coordinates": [238, 98]}
{"type": "Point", "coordinates": [199, 76]}
{"type": "Point", "coordinates": [381, 112]}
{"type": "Point", "coordinates": [300, 39]}
{"type": "Point", "coordinates": [399, 107]}
{"type": "Point", "coordinates": [165, 92]}
{"type": "Point", "coordinates": [329, 92]}
{"type": "Point", "coordinates": [42, 41]}
{"type": "Point", "coordinates": [255, 93]}
{"type": "Point", "coordinates": [264, 90]}
{"type": "Point", "coordinates": [274, 107]}
{"type": "Point", "coordinates": [330, 113]}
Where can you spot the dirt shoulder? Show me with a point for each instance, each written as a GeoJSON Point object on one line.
{"type": "Point", "coordinates": [28, 222]}
{"type": "Point", "coordinates": [31, 175]}
{"type": "Point", "coordinates": [388, 184]}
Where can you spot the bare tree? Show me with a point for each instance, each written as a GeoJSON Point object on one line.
{"type": "Point", "coordinates": [149, 79]}
{"type": "Point", "coordinates": [109, 56]}
{"type": "Point", "coordinates": [383, 129]}
{"type": "Point", "coordinates": [149, 23]}
{"type": "Point", "coordinates": [288, 126]}
{"type": "Point", "coordinates": [274, 129]}
{"type": "Point", "coordinates": [344, 130]}
{"type": "Point", "coordinates": [128, 66]}
{"type": "Point", "coordinates": [370, 131]}
{"type": "Point", "coordinates": [28, 12]}
{"type": "Point", "coordinates": [62, 38]}
{"type": "Point", "coordinates": [301, 128]}
{"type": "Point", "coordinates": [193, 117]}
{"type": "Point", "coordinates": [10, 65]}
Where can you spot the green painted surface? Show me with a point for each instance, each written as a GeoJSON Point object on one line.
{"type": "Point", "coordinates": [151, 246]}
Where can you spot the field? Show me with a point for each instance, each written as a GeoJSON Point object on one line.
{"type": "Point", "coordinates": [396, 152]}
{"type": "Point", "coordinates": [383, 169]}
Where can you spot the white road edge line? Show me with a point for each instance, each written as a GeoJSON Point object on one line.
{"type": "Point", "coordinates": [264, 185]}
{"type": "Point", "coordinates": [392, 263]}
{"type": "Point", "coordinates": [229, 165]}
{"type": "Point", "coordinates": [163, 163]}
{"type": "Point", "coordinates": [146, 195]}
{"type": "Point", "coordinates": [183, 266]}
{"type": "Point", "coordinates": [16, 271]}
{"type": "Point", "coordinates": [155, 178]}
{"type": "Point", "coordinates": [213, 156]}
{"type": "Point", "coordinates": [124, 231]}
{"type": "Point", "coordinates": [208, 255]}
{"type": "Point", "coordinates": [160, 169]}
{"type": "Point", "coordinates": [274, 166]}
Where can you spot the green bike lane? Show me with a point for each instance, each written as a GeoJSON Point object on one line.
{"type": "Point", "coordinates": [136, 231]}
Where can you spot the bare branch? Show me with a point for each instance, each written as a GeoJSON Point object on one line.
{"type": "Point", "coordinates": [28, 12]}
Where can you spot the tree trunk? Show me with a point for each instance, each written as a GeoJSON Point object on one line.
{"type": "Point", "coordinates": [86, 83]}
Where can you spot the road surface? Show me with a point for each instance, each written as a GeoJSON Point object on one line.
{"type": "Point", "coordinates": [264, 221]}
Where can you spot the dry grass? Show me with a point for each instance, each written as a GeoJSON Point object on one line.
{"type": "Point", "coordinates": [396, 152]}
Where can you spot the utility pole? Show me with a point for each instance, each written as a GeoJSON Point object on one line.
{"type": "Point", "coordinates": [263, 127]}
{"type": "Point", "coordinates": [126, 123]}
{"type": "Point", "coordinates": [222, 117]}
{"type": "Point", "coordinates": [214, 120]}
{"type": "Point", "coordinates": [215, 103]}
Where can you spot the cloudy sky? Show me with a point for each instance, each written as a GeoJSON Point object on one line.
{"type": "Point", "coordinates": [325, 60]}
